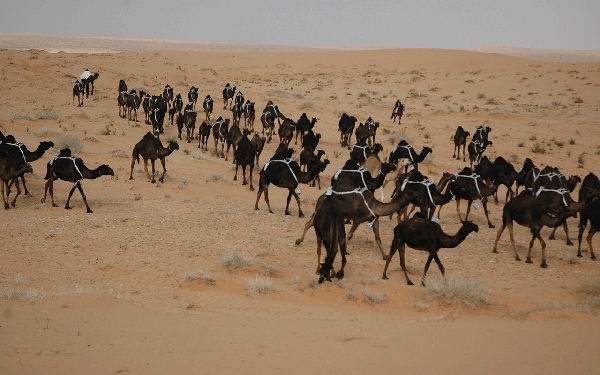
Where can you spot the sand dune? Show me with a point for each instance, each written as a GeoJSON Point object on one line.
{"type": "Point", "coordinates": [120, 290]}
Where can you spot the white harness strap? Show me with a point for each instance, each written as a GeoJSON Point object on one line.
{"type": "Point", "coordinates": [355, 191]}
{"type": "Point", "coordinates": [364, 149]}
{"type": "Point", "coordinates": [561, 191]}
{"type": "Point", "coordinates": [360, 170]}
{"type": "Point", "coordinates": [18, 145]}
{"type": "Point", "coordinates": [286, 161]}
{"type": "Point", "coordinates": [408, 147]}
{"type": "Point", "coordinates": [427, 184]}
{"type": "Point", "coordinates": [550, 175]}
{"type": "Point", "coordinates": [72, 158]}
{"type": "Point", "coordinates": [474, 176]}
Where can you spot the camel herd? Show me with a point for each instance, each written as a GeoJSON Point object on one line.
{"type": "Point", "coordinates": [351, 197]}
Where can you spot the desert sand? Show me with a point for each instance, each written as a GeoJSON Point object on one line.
{"type": "Point", "coordinates": [119, 290]}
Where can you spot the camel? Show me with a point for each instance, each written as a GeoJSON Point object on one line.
{"type": "Point", "coordinates": [78, 90]}
{"type": "Point", "coordinates": [398, 111]}
{"type": "Point", "coordinates": [346, 127]}
{"type": "Point", "coordinates": [244, 155]}
{"type": "Point", "coordinates": [362, 134]}
{"type": "Point", "coordinates": [67, 167]}
{"type": "Point", "coordinates": [19, 152]}
{"type": "Point", "coordinates": [151, 148]}
{"type": "Point", "coordinates": [133, 104]}
{"type": "Point", "coordinates": [590, 182]}
{"type": "Point", "coordinates": [239, 98]}
{"type": "Point", "coordinates": [122, 86]}
{"type": "Point", "coordinates": [188, 120]}
{"type": "Point", "coordinates": [10, 170]}
{"type": "Point", "coordinates": [178, 104]}
{"type": "Point", "coordinates": [203, 135]}
{"type": "Point", "coordinates": [527, 172]}
{"type": "Point", "coordinates": [89, 81]}
{"type": "Point", "coordinates": [147, 106]}
{"type": "Point", "coordinates": [219, 130]}
{"type": "Point", "coordinates": [330, 230]}
{"type": "Point", "coordinates": [351, 175]}
{"type": "Point", "coordinates": [427, 194]}
{"type": "Point", "coordinates": [228, 93]}
{"type": "Point", "coordinates": [207, 105]}
{"type": "Point", "coordinates": [307, 157]}
{"type": "Point", "coordinates": [268, 123]}
{"type": "Point", "coordinates": [361, 151]}
{"type": "Point", "coordinates": [591, 213]}
{"type": "Point", "coordinates": [157, 118]}
{"type": "Point", "coordinates": [371, 126]}
{"type": "Point", "coordinates": [476, 149]}
{"type": "Point", "coordinates": [275, 112]}
{"type": "Point", "coordinates": [500, 172]}
{"type": "Point", "coordinates": [193, 96]}
{"type": "Point", "coordinates": [555, 201]}
{"type": "Point", "coordinates": [460, 139]}
{"type": "Point", "coordinates": [122, 103]}
{"type": "Point", "coordinates": [360, 206]}
{"type": "Point", "coordinates": [168, 96]}
{"type": "Point", "coordinates": [310, 141]}
{"type": "Point", "coordinates": [237, 112]}
{"type": "Point", "coordinates": [529, 212]}
{"type": "Point", "coordinates": [259, 144]}
{"type": "Point", "coordinates": [286, 173]}
{"type": "Point", "coordinates": [551, 177]}
{"type": "Point", "coordinates": [482, 134]}
{"type": "Point", "coordinates": [249, 115]}
{"type": "Point", "coordinates": [232, 138]}
{"type": "Point", "coordinates": [469, 186]}
{"type": "Point", "coordinates": [420, 233]}
{"type": "Point", "coordinates": [405, 155]}
{"type": "Point", "coordinates": [303, 125]}
{"type": "Point", "coordinates": [286, 131]}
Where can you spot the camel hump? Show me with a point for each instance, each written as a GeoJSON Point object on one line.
{"type": "Point", "coordinates": [10, 139]}
{"type": "Point", "coordinates": [65, 153]}
{"type": "Point", "coordinates": [148, 136]}
{"type": "Point", "coordinates": [420, 215]}
{"type": "Point", "coordinates": [465, 171]}
{"type": "Point", "coordinates": [403, 143]}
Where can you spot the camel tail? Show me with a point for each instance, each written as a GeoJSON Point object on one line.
{"type": "Point", "coordinates": [136, 154]}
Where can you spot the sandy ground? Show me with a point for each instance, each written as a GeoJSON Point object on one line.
{"type": "Point", "coordinates": [109, 292]}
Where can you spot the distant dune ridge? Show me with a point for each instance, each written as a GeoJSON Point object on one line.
{"type": "Point", "coordinates": [102, 44]}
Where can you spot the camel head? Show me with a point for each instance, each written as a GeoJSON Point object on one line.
{"type": "Point", "coordinates": [470, 227]}
{"type": "Point", "coordinates": [426, 151]}
{"type": "Point", "coordinates": [246, 132]}
{"type": "Point", "coordinates": [46, 145]}
{"type": "Point", "coordinates": [387, 168]}
{"type": "Point", "coordinates": [105, 170]}
{"type": "Point", "coordinates": [173, 146]}
{"type": "Point", "coordinates": [320, 153]}
{"type": "Point", "coordinates": [376, 148]}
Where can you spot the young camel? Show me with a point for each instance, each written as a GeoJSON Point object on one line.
{"type": "Point", "coordinates": [19, 151]}
{"type": "Point", "coordinates": [405, 155]}
{"type": "Point", "coordinates": [10, 170]}
{"type": "Point", "coordinates": [330, 231]}
{"type": "Point", "coordinates": [286, 173]}
{"type": "Point", "coordinates": [590, 212]}
{"type": "Point", "coordinates": [420, 233]}
{"type": "Point", "coordinates": [460, 139]}
{"type": "Point", "coordinates": [68, 168]}
{"type": "Point", "coordinates": [203, 135]}
{"type": "Point", "coordinates": [529, 212]}
{"type": "Point", "coordinates": [259, 145]}
{"type": "Point", "coordinates": [151, 148]}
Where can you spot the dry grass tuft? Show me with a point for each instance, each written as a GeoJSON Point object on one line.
{"type": "Point", "coordinates": [452, 289]}
{"type": "Point", "coordinates": [118, 153]}
{"type": "Point", "coordinates": [374, 297]}
{"type": "Point", "coordinates": [30, 295]}
{"type": "Point", "coordinates": [260, 285]}
{"type": "Point", "coordinates": [236, 261]}
{"type": "Point", "coordinates": [72, 142]}
{"type": "Point", "coordinates": [199, 276]}
{"type": "Point", "coordinates": [47, 131]}
{"type": "Point", "coordinates": [590, 285]}
{"type": "Point", "coordinates": [396, 137]}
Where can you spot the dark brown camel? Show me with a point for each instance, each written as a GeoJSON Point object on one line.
{"type": "Point", "coordinates": [122, 103]}
{"type": "Point", "coordinates": [591, 213]}
{"type": "Point", "coordinates": [590, 183]}
{"type": "Point", "coordinates": [68, 168]}
{"type": "Point", "coordinates": [237, 112]}
{"type": "Point", "coordinates": [362, 134]}
{"type": "Point", "coordinates": [330, 231]}
{"type": "Point", "coordinates": [178, 104]}
{"type": "Point", "coordinates": [219, 130]}
{"type": "Point", "coordinates": [420, 233]}
{"type": "Point", "coordinates": [476, 149]}
{"type": "Point", "coordinates": [311, 140]}
{"type": "Point", "coordinates": [193, 96]}
{"type": "Point", "coordinates": [268, 123]}
{"type": "Point", "coordinates": [232, 138]}
{"type": "Point", "coordinates": [259, 144]}
{"type": "Point", "coordinates": [529, 212]}
{"type": "Point", "coordinates": [168, 96]}
{"type": "Point", "coordinates": [10, 170]}
{"type": "Point", "coordinates": [133, 104]}
{"type": "Point", "coordinates": [286, 174]}
{"type": "Point", "coordinates": [157, 118]}
{"type": "Point", "coordinates": [303, 125]}
{"type": "Point", "coordinates": [78, 91]}
{"type": "Point", "coordinates": [527, 172]}
{"type": "Point", "coordinates": [372, 126]}
{"type": "Point", "coordinates": [404, 154]}
{"type": "Point", "coordinates": [469, 186]}
{"type": "Point", "coordinates": [187, 120]}
{"type": "Point", "coordinates": [500, 172]}
{"type": "Point", "coordinates": [228, 93]}
{"type": "Point", "coordinates": [249, 115]}
{"type": "Point", "coordinates": [286, 131]}
{"type": "Point", "coordinates": [555, 201]}
{"type": "Point", "coordinates": [122, 86]}
{"type": "Point", "coordinates": [308, 157]}
{"type": "Point", "coordinates": [398, 111]}
{"type": "Point", "coordinates": [244, 155]}
{"type": "Point", "coordinates": [89, 81]}
{"type": "Point", "coordinates": [147, 106]}
{"type": "Point", "coordinates": [346, 128]}
{"type": "Point", "coordinates": [460, 139]}
{"type": "Point", "coordinates": [203, 135]}
{"type": "Point", "coordinates": [427, 195]}
{"type": "Point", "coordinates": [151, 148]}
{"type": "Point", "coordinates": [19, 152]}
{"type": "Point", "coordinates": [207, 105]}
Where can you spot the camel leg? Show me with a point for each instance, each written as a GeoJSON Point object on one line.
{"type": "Point", "coordinates": [439, 263]}
{"type": "Point", "coordinates": [4, 199]}
{"type": "Point", "coordinates": [49, 187]}
{"type": "Point", "coordinates": [307, 226]}
{"type": "Point", "coordinates": [14, 202]}
{"type": "Point", "coordinates": [378, 238]}
{"type": "Point", "coordinates": [236, 171]}
{"type": "Point", "coordinates": [498, 235]}
{"type": "Point", "coordinates": [147, 173]}
{"type": "Point", "coordinates": [439, 211]}
{"type": "Point", "coordinates": [319, 243]}
{"type": "Point", "coordinates": [353, 228]}
{"type": "Point", "coordinates": [397, 244]}
{"type": "Point", "coordinates": [244, 174]}
{"type": "Point", "coordinates": [429, 259]}
{"type": "Point", "coordinates": [454, 153]}
{"type": "Point", "coordinates": [342, 244]}
{"type": "Point", "coordinates": [469, 202]}
{"type": "Point", "coordinates": [300, 213]}
{"type": "Point", "coordinates": [162, 161]}
{"type": "Point", "coordinates": [266, 190]}
{"type": "Point", "coordinates": [25, 186]}
{"type": "Point", "coordinates": [589, 240]}
{"type": "Point", "coordinates": [132, 165]}
{"type": "Point", "coordinates": [69, 198]}
{"type": "Point", "coordinates": [227, 152]}
{"type": "Point", "coordinates": [458, 210]}
{"type": "Point", "coordinates": [484, 201]}
{"type": "Point", "coordinates": [251, 169]}
{"type": "Point", "coordinates": [566, 228]}
{"type": "Point", "coordinates": [582, 225]}
{"type": "Point", "coordinates": [87, 206]}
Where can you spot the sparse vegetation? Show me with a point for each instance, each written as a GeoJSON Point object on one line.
{"type": "Point", "coordinates": [236, 261]}
{"type": "Point", "coordinates": [538, 148]}
{"type": "Point", "coordinates": [571, 141]}
{"type": "Point", "coordinates": [199, 276]}
{"type": "Point", "coordinates": [30, 295]}
{"type": "Point", "coordinates": [72, 142]}
{"type": "Point", "coordinates": [521, 144]}
{"type": "Point", "coordinates": [260, 285]}
{"type": "Point", "coordinates": [454, 289]}
{"type": "Point", "coordinates": [374, 297]}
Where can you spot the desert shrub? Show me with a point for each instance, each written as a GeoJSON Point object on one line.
{"type": "Point", "coordinates": [538, 149]}
{"type": "Point", "coordinates": [235, 261]}
{"type": "Point", "coordinates": [307, 105]}
{"type": "Point", "coordinates": [396, 137]}
{"type": "Point", "coordinates": [259, 285]}
{"type": "Point", "coordinates": [452, 289]}
{"type": "Point", "coordinates": [199, 276]}
{"type": "Point", "coordinates": [374, 297]}
{"type": "Point", "coordinates": [72, 142]}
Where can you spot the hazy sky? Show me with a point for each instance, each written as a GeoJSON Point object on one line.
{"type": "Point", "coordinates": [552, 24]}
